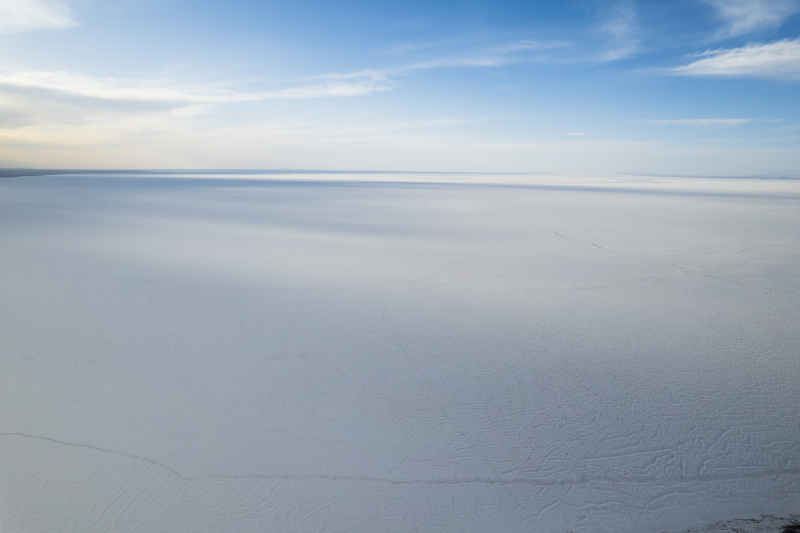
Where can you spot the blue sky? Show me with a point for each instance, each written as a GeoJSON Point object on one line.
{"type": "Point", "coordinates": [580, 86]}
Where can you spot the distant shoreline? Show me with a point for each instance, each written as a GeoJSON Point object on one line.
{"type": "Point", "coordinates": [23, 172]}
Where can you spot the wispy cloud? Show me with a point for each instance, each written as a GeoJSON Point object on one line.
{"type": "Point", "coordinates": [622, 28]}
{"type": "Point", "coordinates": [347, 84]}
{"type": "Point", "coordinates": [322, 90]}
{"type": "Point", "coordinates": [492, 57]}
{"type": "Point", "coordinates": [25, 15]}
{"type": "Point", "coordinates": [780, 59]}
{"type": "Point", "coordinates": [740, 17]}
{"type": "Point", "coordinates": [703, 121]}
{"type": "Point", "coordinates": [138, 91]}
{"type": "Point", "coordinates": [406, 48]}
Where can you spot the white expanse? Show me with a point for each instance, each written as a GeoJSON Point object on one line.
{"type": "Point", "coordinates": [218, 354]}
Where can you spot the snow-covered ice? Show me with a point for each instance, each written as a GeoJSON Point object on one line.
{"type": "Point", "coordinates": [191, 355]}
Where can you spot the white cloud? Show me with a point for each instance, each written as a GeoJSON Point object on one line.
{"type": "Point", "coordinates": [493, 57]}
{"type": "Point", "coordinates": [780, 59]}
{"type": "Point", "coordinates": [623, 30]}
{"type": "Point", "coordinates": [119, 90]}
{"type": "Point", "coordinates": [25, 15]}
{"type": "Point", "coordinates": [357, 83]}
{"type": "Point", "coordinates": [703, 121]}
{"type": "Point", "coordinates": [359, 88]}
{"type": "Point", "coordinates": [745, 16]}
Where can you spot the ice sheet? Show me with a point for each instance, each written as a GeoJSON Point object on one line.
{"type": "Point", "coordinates": [216, 354]}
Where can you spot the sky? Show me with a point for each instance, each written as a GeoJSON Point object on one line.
{"type": "Point", "coordinates": [697, 87]}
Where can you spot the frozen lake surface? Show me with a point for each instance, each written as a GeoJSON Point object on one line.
{"type": "Point", "coordinates": [186, 355]}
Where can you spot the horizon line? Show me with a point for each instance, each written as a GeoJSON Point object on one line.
{"type": "Point", "coordinates": [10, 172]}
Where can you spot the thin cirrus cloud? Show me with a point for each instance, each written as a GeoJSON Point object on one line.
{"type": "Point", "coordinates": [740, 17]}
{"type": "Point", "coordinates": [493, 57]}
{"type": "Point", "coordinates": [26, 15]}
{"type": "Point", "coordinates": [114, 90]}
{"type": "Point", "coordinates": [776, 60]}
{"type": "Point", "coordinates": [703, 121]}
{"type": "Point", "coordinates": [358, 83]}
{"type": "Point", "coordinates": [622, 29]}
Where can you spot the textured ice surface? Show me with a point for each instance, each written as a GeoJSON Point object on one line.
{"type": "Point", "coordinates": [206, 355]}
{"type": "Point", "coordinates": [762, 524]}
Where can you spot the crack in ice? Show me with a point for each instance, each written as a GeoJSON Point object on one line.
{"type": "Point", "coordinates": [99, 449]}
{"type": "Point", "coordinates": [474, 480]}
